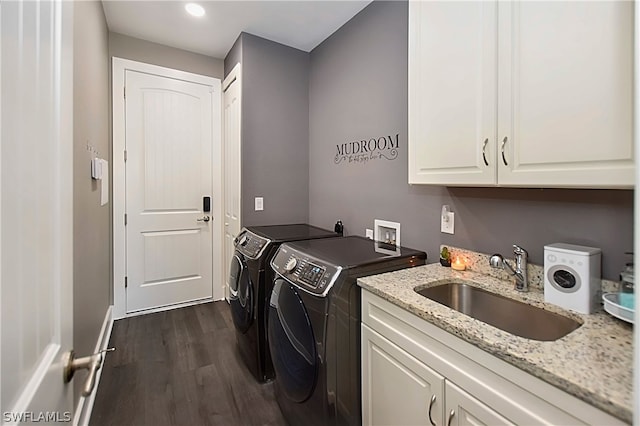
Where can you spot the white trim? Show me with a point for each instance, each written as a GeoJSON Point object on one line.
{"type": "Point", "coordinates": [119, 242]}
{"type": "Point", "coordinates": [85, 404]}
{"type": "Point", "coordinates": [233, 75]}
{"type": "Point", "coordinates": [126, 64]}
{"type": "Point", "coordinates": [170, 307]}
{"type": "Point", "coordinates": [119, 66]}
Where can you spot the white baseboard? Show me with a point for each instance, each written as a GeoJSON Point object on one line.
{"type": "Point", "coordinates": [85, 404]}
{"type": "Point", "coordinates": [169, 307]}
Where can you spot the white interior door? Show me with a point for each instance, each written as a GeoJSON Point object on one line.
{"type": "Point", "coordinates": [37, 209]}
{"type": "Point", "coordinates": [169, 135]}
{"type": "Point", "coordinates": [232, 190]}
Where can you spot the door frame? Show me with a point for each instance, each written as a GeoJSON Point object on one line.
{"type": "Point", "coordinates": [119, 68]}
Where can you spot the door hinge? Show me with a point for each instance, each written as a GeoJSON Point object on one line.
{"type": "Point", "coordinates": [125, 155]}
{"type": "Point", "coordinates": [124, 92]}
{"type": "Point", "coordinates": [126, 284]}
{"type": "Point", "coordinates": [125, 219]}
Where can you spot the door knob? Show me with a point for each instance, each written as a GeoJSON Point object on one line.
{"type": "Point", "coordinates": [204, 219]}
{"type": "Point", "coordinates": [91, 363]}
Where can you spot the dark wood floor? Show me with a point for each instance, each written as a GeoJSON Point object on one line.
{"type": "Point", "coordinates": [180, 367]}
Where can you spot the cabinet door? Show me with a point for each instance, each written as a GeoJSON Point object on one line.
{"type": "Point", "coordinates": [452, 92]}
{"type": "Point", "coordinates": [565, 94]}
{"type": "Point", "coordinates": [464, 410]}
{"type": "Point", "coordinates": [397, 389]}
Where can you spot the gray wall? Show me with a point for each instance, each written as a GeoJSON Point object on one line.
{"type": "Point", "coordinates": [275, 130]}
{"type": "Point", "coordinates": [234, 56]}
{"type": "Point", "coordinates": [358, 90]}
{"type": "Point", "coordinates": [122, 46]}
{"type": "Point", "coordinates": [91, 222]}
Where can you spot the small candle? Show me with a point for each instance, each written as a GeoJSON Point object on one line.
{"type": "Point", "coordinates": [458, 264]}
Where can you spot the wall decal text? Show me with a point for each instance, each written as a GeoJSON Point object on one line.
{"type": "Point", "coordinates": [365, 150]}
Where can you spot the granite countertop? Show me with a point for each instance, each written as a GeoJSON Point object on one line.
{"type": "Point", "coordinates": [600, 351]}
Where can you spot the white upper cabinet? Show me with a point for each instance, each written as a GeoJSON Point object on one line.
{"type": "Point", "coordinates": [452, 92]}
{"type": "Point", "coordinates": [530, 94]}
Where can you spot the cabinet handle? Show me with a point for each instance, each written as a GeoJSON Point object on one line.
{"type": "Point", "coordinates": [433, 400]}
{"type": "Point", "coordinates": [504, 142]}
{"type": "Point", "coordinates": [484, 149]}
{"type": "Point", "coordinates": [451, 414]}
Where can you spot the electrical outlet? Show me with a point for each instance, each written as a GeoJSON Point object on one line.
{"type": "Point", "coordinates": [259, 204]}
{"type": "Point", "coordinates": [446, 223]}
{"type": "Point", "coordinates": [369, 233]}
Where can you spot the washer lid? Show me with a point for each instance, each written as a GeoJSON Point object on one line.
{"type": "Point", "coordinates": [573, 249]}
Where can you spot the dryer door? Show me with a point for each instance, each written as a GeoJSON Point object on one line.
{"type": "Point", "coordinates": [241, 293]}
{"type": "Point", "coordinates": [291, 342]}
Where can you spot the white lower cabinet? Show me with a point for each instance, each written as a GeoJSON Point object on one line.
{"type": "Point", "coordinates": [415, 373]}
{"type": "Point", "coordinates": [398, 389]}
{"type": "Point", "coordinates": [463, 409]}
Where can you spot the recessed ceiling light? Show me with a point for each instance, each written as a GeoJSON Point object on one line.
{"type": "Point", "coordinates": [194, 9]}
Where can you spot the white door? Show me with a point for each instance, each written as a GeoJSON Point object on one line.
{"type": "Point", "coordinates": [37, 209]}
{"type": "Point", "coordinates": [232, 190]}
{"type": "Point", "coordinates": [169, 135]}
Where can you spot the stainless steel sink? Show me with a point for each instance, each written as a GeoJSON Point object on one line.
{"type": "Point", "coordinates": [515, 317]}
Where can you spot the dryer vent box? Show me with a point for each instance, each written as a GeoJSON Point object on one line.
{"type": "Point", "coordinates": [572, 276]}
{"type": "Point", "coordinates": [386, 232]}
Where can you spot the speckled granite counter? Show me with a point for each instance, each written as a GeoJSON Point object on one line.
{"type": "Point", "coordinates": [600, 351]}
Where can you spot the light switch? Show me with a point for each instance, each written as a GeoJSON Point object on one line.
{"type": "Point", "coordinates": [96, 168]}
{"type": "Point", "coordinates": [259, 204]}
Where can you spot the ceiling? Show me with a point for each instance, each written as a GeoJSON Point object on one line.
{"type": "Point", "coordinates": [302, 24]}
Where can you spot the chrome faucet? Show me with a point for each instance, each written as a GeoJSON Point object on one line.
{"type": "Point", "coordinates": [520, 272]}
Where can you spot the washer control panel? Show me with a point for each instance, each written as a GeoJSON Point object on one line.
{"type": "Point", "coordinates": [250, 244]}
{"type": "Point", "coordinates": [304, 271]}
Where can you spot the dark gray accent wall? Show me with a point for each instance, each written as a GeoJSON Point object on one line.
{"type": "Point", "coordinates": [91, 222]}
{"type": "Point", "coordinates": [358, 90]}
{"type": "Point", "coordinates": [135, 49]}
{"type": "Point", "coordinates": [275, 130]}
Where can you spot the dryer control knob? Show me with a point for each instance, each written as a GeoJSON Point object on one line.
{"type": "Point", "coordinates": [290, 265]}
{"type": "Point", "coordinates": [243, 240]}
